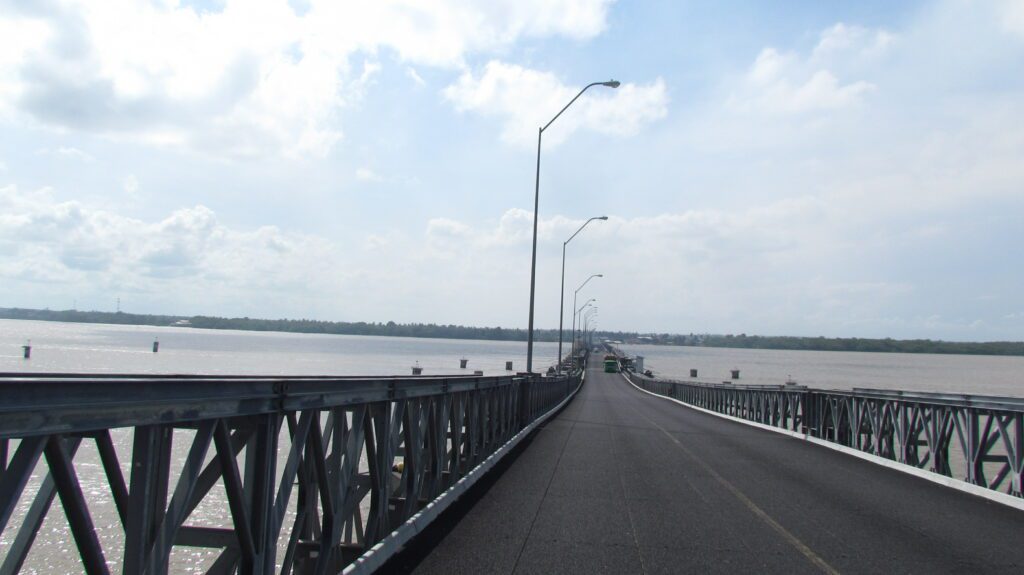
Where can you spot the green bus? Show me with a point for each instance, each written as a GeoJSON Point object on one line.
{"type": "Point", "coordinates": [611, 365]}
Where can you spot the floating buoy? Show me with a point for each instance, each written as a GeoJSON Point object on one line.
{"type": "Point", "coordinates": [508, 366]}
{"type": "Point", "coordinates": [735, 373]}
{"type": "Point", "coordinates": [693, 373]}
{"type": "Point", "coordinates": [27, 349]}
{"type": "Point", "coordinates": [463, 362]}
{"type": "Point", "coordinates": [416, 369]}
{"type": "Point", "coordinates": [156, 345]}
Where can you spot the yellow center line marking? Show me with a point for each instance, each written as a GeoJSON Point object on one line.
{"type": "Point", "coordinates": [760, 513]}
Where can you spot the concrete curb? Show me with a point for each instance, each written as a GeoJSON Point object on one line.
{"type": "Point", "coordinates": [995, 496]}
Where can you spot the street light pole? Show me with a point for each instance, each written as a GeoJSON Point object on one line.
{"type": "Point", "coordinates": [561, 293]}
{"type": "Point", "coordinates": [574, 294]}
{"type": "Point", "coordinates": [577, 313]}
{"type": "Point", "coordinates": [588, 332]}
{"type": "Point", "coordinates": [536, 204]}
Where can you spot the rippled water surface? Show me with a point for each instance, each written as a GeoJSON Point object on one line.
{"type": "Point", "coordinates": [97, 348]}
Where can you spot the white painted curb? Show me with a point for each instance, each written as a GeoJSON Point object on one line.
{"type": "Point", "coordinates": [996, 496]}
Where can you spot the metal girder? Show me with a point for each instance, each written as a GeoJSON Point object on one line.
{"type": "Point", "coordinates": [359, 457]}
{"type": "Point", "coordinates": [33, 520]}
{"type": "Point", "coordinates": [73, 502]}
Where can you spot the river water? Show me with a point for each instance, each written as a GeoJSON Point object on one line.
{"type": "Point", "coordinates": [65, 347]}
{"type": "Point", "coordinates": [970, 374]}
{"type": "Point", "coordinates": [96, 348]}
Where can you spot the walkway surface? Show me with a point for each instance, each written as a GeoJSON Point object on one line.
{"type": "Point", "coordinates": [624, 482]}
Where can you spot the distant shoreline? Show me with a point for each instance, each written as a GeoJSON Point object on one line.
{"type": "Point", "coordinates": [420, 330]}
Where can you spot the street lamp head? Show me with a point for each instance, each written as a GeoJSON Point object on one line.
{"type": "Point", "coordinates": [611, 83]}
{"type": "Point", "coordinates": [602, 217]}
{"type": "Point", "coordinates": [598, 275]}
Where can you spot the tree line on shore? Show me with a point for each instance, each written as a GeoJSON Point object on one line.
{"type": "Point", "coordinates": [852, 344]}
{"type": "Point", "coordinates": [392, 329]}
{"type": "Point", "coordinates": [430, 330]}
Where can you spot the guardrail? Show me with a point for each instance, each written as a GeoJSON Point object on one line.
{"type": "Point", "coordinates": [346, 460]}
{"type": "Point", "coordinates": [976, 439]}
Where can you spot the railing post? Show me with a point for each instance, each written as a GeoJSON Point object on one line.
{"type": "Point", "coordinates": [260, 474]}
{"type": "Point", "coordinates": [975, 448]}
{"type": "Point", "coordinates": [525, 401]}
{"type": "Point", "coordinates": [1017, 485]}
{"type": "Point", "coordinates": [151, 459]}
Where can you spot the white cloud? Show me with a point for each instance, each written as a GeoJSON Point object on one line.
{"type": "Point", "coordinates": [769, 66]}
{"type": "Point", "coordinates": [365, 174]}
{"type": "Point", "coordinates": [69, 152]}
{"type": "Point", "coordinates": [130, 184]}
{"type": "Point", "coordinates": [516, 227]}
{"type": "Point", "coordinates": [754, 232]}
{"type": "Point", "coordinates": [528, 99]}
{"type": "Point", "coordinates": [376, 242]}
{"type": "Point", "coordinates": [188, 252]}
{"type": "Point", "coordinates": [788, 83]}
{"type": "Point", "coordinates": [252, 78]}
{"type": "Point", "coordinates": [368, 175]}
{"type": "Point", "coordinates": [415, 77]}
{"type": "Point", "coordinates": [442, 33]}
{"type": "Point", "coordinates": [896, 122]}
{"type": "Point", "coordinates": [821, 92]}
{"type": "Point", "coordinates": [847, 188]}
{"type": "Point", "coordinates": [774, 258]}
{"type": "Point", "coordinates": [441, 231]}
{"type": "Point", "coordinates": [770, 89]}
{"type": "Point", "coordinates": [21, 37]}
{"type": "Point", "coordinates": [843, 40]}
{"type": "Point", "coordinates": [1012, 15]}
{"type": "Point", "coordinates": [802, 265]}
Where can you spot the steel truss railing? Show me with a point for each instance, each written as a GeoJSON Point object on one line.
{"type": "Point", "coordinates": [360, 456]}
{"type": "Point", "coordinates": [978, 439]}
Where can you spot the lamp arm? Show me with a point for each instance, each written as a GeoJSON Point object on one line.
{"type": "Point", "coordinates": [585, 88]}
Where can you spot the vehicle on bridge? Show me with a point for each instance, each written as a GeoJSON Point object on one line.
{"type": "Point", "coordinates": [611, 364]}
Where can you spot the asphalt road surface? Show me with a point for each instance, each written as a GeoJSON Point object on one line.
{"type": "Point", "coordinates": [624, 482]}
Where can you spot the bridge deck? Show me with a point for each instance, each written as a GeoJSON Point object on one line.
{"type": "Point", "coordinates": [623, 482]}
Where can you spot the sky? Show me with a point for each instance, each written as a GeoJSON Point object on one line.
{"type": "Point", "coordinates": [786, 168]}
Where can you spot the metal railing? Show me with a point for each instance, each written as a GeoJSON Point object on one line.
{"type": "Point", "coordinates": [314, 470]}
{"type": "Point", "coordinates": [977, 439]}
